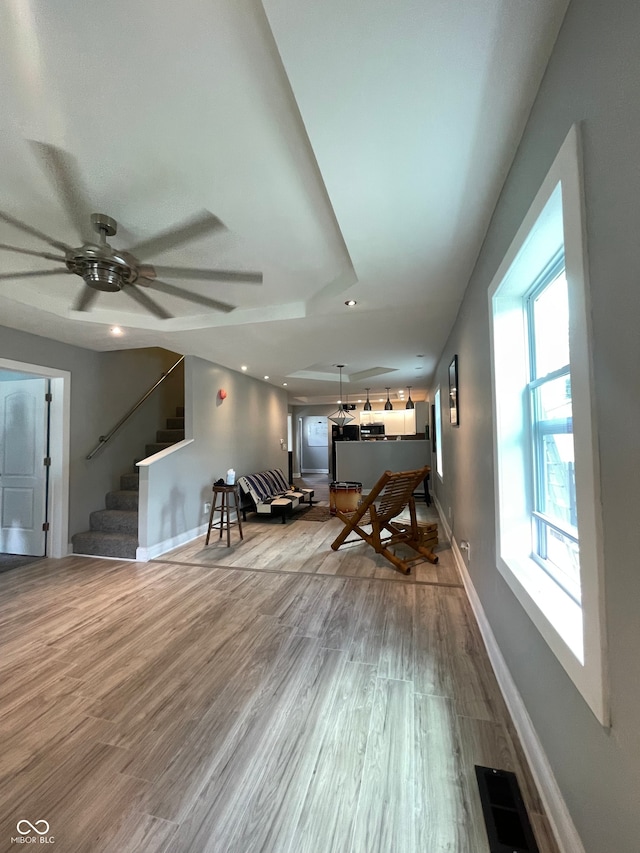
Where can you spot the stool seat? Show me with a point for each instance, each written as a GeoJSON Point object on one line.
{"type": "Point", "coordinates": [224, 493]}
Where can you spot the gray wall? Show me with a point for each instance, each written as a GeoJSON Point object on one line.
{"type": "Point", "coordinates": [593, 77]}
{"type": "Point", "coordinates": [313, 457]}
{"type": "Point", "coordinates": [242, 432]}
{"type": "Point", "coordinates": [104, 385]}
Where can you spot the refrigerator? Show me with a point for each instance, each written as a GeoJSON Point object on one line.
{"type": "Point", "coordinates": [349, 432]}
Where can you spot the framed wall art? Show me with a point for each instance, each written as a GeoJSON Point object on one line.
{"type": "Point", "coordinates": [454, 408]}
{"type": "Point", "coordinates": [433, 428]}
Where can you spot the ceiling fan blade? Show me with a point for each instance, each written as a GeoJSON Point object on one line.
{"type": "Point", "coordinates": [46, 255]}
{"type": "Point", "coordinates": [6, 276]}
{"type": "Point", "coordinates": [17, 223]}
{"type": "Point", "coordinates": [163, 287]}
{"type": "Point", "coordinates": [66, 180]}
{"type": "Point", "coordinates": [198, 226]}
{"type": "Point", "coordinates": [210, 275]}
{"type": "Point", "coordinates": [146, 301]}
{"type": "Point", "coordinates": [86, 299]}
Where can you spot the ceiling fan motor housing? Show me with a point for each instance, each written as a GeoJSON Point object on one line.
{"type": "Point", "coordinates": [101, 276]}
{"type": "Point", "coordinates": [101, 267]}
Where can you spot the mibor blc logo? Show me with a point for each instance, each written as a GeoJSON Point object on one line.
{"type": "Point", "coordinates": [33, 833]}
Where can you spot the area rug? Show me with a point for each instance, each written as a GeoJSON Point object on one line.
{"type": "Point", "coordinates": [314, 513]}
{"type": "Point", "coordinates": [14, 561]}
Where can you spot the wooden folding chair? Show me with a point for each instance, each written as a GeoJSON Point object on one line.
{"type": "Point", "coordinates": [389, 497]}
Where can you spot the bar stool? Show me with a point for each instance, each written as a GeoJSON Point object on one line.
{"type": "Point", "coordinates": [225, 493]}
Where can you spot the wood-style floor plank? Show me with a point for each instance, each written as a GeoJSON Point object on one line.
{"type": "Point", "coordinates": [385, 815]}
{"type": "Point", "coordinates": [268, 822]}
{"type": "Point", "coordinates": [468, 670]}
{"type": "Point", "coordinates": [431, 672]}
{"type": "Point", "coordinates": [274, 697]}
{"type": "Point", "coordinates": [238, 771]}
{"type": "Point", "coordinates": [443, 816]}
{"type": "Point", "coordinates": [328, 811]}
{"type": "Point", "coordinates": [396, 652]}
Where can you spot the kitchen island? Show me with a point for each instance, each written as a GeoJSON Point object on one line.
{"type": "Point", "coordinates": [365, 461]}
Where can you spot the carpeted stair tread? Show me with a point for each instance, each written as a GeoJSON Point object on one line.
{"type": "Point", "coordinates": [123, 499]}
{"type": "Point", "coordinates": [175, 423]}
{"type": "Point", "coordinates": [130, 482]}
{"type": "Point", "coordinates": [172, 435]}
{"type": "Point", "coordinates": [102, 544]}
{"type": "Point", "coordinates": [114, 521]}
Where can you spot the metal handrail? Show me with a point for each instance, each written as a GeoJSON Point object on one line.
{"type": "Point", "coordinates": [105, 438]}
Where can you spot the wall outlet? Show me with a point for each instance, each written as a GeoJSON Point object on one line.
{"type": "Point", "coordinates": [207, 508]}
{"type": "Point", "coordinates": [465, 546]}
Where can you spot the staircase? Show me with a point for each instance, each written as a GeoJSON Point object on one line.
{"type": "Point", "coordinates": [114, 530]}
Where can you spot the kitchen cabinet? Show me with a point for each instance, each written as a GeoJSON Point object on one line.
{"type": "Point", "coordinates": [396, 422]}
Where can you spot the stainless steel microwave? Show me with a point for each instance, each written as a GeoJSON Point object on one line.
{"type": "Point", "coordinates": [371, 430]}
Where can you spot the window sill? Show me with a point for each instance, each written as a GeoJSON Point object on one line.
{"type": "Point", "coordinates": [555, 613]}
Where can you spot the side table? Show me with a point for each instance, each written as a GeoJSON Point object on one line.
{"type": "Point", "coordinates": [225, 493]}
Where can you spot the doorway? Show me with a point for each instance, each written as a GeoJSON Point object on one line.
{"type": "Point", "coordinates": [33, 429]}
{"type": "Point", "coordinates": [314, 445]}
{"type": "Point", "coordinates": [24, 448]}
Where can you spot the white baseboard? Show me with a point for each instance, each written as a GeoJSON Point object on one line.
{"type": "Point", "coordinates": [555, 807]}
{"type": "Point", "coordinates": [103, 557]}
{"type": "Point", "coordinates": [143, 555]}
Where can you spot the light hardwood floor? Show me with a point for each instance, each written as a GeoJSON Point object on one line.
{"type": "Point", "coordinates": [275, 696]}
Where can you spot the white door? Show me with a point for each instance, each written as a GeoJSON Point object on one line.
{"type": "Point", "coordinates": [23, 475]}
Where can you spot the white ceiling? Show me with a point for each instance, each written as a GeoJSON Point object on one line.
{"type": "Point", "coordinates": [353, 150]}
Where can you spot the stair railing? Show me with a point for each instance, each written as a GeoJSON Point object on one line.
{"type": "Point", "coordinates": [105, 438]}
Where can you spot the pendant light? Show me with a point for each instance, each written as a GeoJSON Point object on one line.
{"type": "Point", "coordinates": [410, 404]}
{"type": "Point", "coordinates": [340, 417]}
{"type": "Point", "coordinates": [367, 405]}
{"type": "Point", "coordinates": [388, 406]}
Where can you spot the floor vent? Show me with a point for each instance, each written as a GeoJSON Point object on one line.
{"type": "Point", "coordinates": [508, 826]}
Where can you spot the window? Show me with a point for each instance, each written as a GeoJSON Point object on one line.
{"type": "Point", "coordinates": [545, 447]}
{"type": "Point", "coordinates": [438, 432]}
{"type": "Point", "coordinates": [555, 523]}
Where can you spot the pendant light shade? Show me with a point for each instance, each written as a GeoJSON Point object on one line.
{"type": "Point", "coordinates": [367, 405]}
{"type": "Point", "coordinates": [340, 417]}
{"type": "Point", "coordinates": [388, 406]}
{"type": "Point", "coordinates": [410, 404]}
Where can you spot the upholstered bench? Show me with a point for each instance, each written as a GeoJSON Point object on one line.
{"type": "Point", "coordinates": [268, 493]}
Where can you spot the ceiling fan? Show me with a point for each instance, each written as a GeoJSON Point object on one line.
{"type": "Point", "coordinates": [106, 269]}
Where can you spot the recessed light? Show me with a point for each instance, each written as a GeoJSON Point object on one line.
{"type": "Point", "coordinates": [285, 384]}
{"type": "Point", "coordinates": [244, 367]}
{"type": "Point", "coordinates": [116, 331]}
{"type": "Point", "coordinates": [350, 303]}
{"type": "Point", "coordinates": [266, 377]}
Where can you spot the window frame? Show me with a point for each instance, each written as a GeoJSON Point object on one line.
{"type": "Point", "coordinates": [574, 631]}
{"type": "Point", "coordinates": [542, 522]}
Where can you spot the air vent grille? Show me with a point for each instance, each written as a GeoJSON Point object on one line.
{"type": "Point", "coordinates": [508, 826]}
